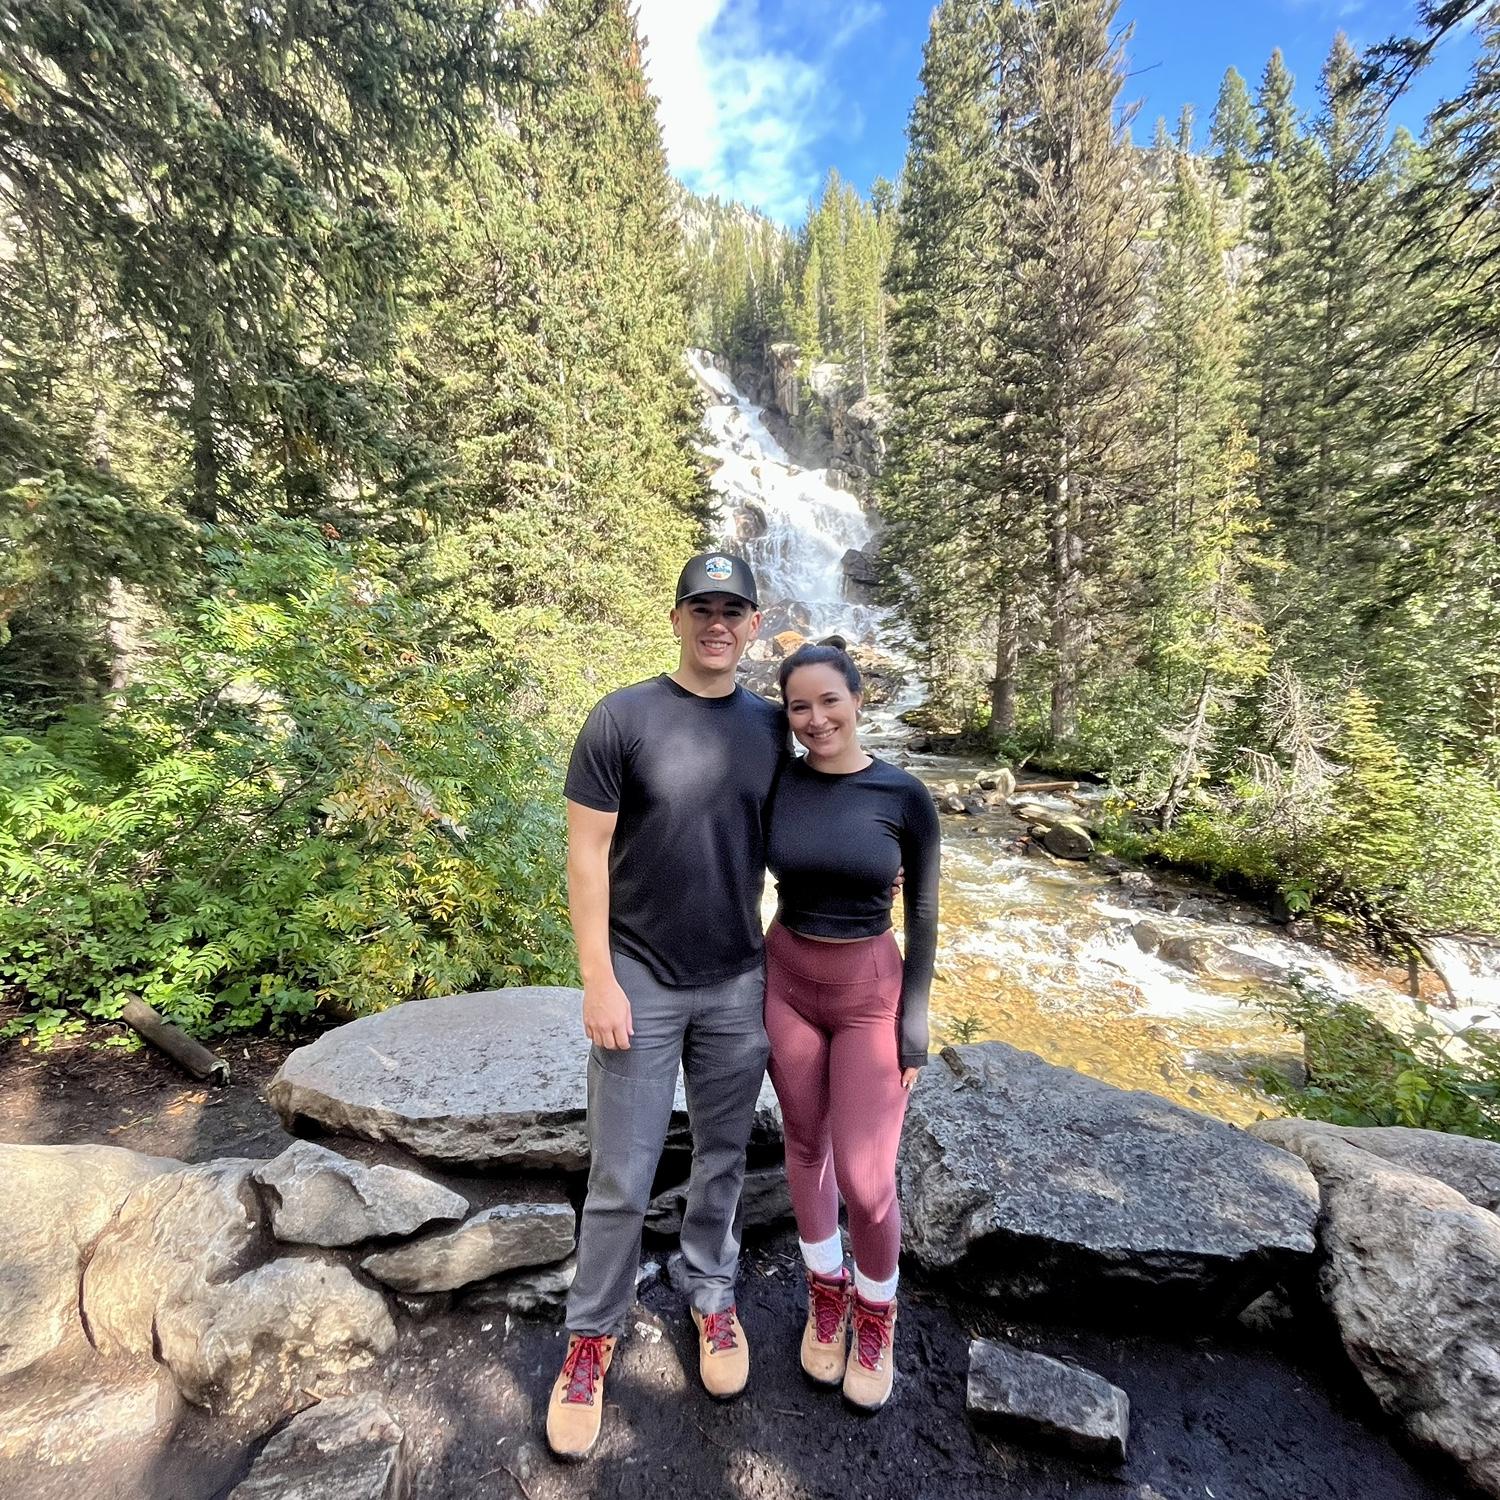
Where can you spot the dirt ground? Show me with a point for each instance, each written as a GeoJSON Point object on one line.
{"type": "Point", "coordinates": [1223, 1418]}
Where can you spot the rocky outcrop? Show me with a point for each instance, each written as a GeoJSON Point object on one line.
{"type": "Point", "coordinates": [1032, 1399]}
{"type": "Point", "coordinates": [1041, 1186]}
{"type": "Point", "coordinates": [1468, 1166]}
{"type": "Point", "coordinates": [54, 1203]}
{"type": "Point", "coordinates": [73, 1422]}
{"type": "Point", "coordinates": [176, 1242]}
{"type": "Point", "coordinates": [318, 1197]}
{"type": "Point", "coordinates": [499, 1239]}
{"type": "Point", "coordinates": [765, 1200]}
{"type": "Point", "coordinates": [492, 1079]}
{"type": "Point", "coordinates": [1412, 1276]}
{"type": "Point", "coordinates": [244, 1347]}
{"type": "Point", "coordinates": [542, 1293]}
{"type": "Point", "coordinates": [346, 1448]}
{"type": "Point", "coordinates": [180, 1275]}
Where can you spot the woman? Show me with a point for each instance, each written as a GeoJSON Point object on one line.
{"type": "Point", "coordinates": [846, 1017]}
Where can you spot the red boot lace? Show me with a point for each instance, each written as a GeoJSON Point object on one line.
{"type": "Point", "coordinates": [718, 1329]}
{"type": "Point", "coordinates": [829, 1300]}
{"type": "Point", "coordinates": [872, 1331]}
{"type": "Point", "coordinates": [584, 1368]}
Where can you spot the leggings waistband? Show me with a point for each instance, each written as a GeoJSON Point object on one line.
{"type": "Point", "coordinates": [833, 963]}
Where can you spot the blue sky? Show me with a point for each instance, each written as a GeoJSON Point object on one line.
{"type": "Point", "coordinates": [758, 98]}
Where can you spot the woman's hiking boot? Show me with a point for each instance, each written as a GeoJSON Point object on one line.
{"type": "Point", "coordinates": [825, 1344]}
{"type": "Point", "coordinates": [872, 1358]}
{"type": "Point", "coordinates": [723, 1354]}
{"type": "Point", "coordinates": [577, 1404]}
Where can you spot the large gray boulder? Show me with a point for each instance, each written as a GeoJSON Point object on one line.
{"type": "Point", "coordinates": [504, 1238]}
{"type": "Point", "coordinates": [1412, 1276]}
{"type": "Point", "coordinates": [1042, 1401]}
{"type": "Point", "coordinates": [1468, 1166]}
{"type": "Point", "coordinates": [318, 1197]}
{"type": "Point", "coordinates": [346, 1448]}
{"type": "Point", "coordinates": [174, 1241]}
{"type": "Point", "coordinates": [1039, 1185]}
{"type": "Point", "coordinates": [180, 1274]}
{"type": "Point", "coordinates": [54, 1203]}
{"type": "Point", "coordinates": [492, 1079]}
{"type": "Point", "coordinates": [246, 1347]}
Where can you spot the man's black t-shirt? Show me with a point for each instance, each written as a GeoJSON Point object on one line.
{"type": "Point", "coordinates": [690, 778]}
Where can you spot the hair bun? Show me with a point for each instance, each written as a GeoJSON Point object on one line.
{"type": "Point", "coordinates": [836, 641]}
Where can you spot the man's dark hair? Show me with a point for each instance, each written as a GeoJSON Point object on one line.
{"type": "Point", "coordinates": [829, 653]}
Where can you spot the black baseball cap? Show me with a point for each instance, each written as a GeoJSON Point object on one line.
{"type": "Point", "coordinates": [717, 573]}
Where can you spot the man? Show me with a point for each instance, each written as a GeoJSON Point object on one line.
{"type": "Point", "coordinates": [666, 792]}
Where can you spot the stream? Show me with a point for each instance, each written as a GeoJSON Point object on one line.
{"type": "Point", "coordinates": [1042, 953]}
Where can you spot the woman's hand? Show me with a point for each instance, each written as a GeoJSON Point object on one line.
{"type": "Point", "coordinates": [909, 1077]}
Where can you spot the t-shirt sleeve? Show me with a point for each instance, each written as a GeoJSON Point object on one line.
{"type": "Point", "coordinates": [921, 856]}
{"type": "Point", "coordinates": [596, 770]}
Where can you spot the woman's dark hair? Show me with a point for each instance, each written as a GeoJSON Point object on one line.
{"type": "Point", "coordinates": [827, 653]}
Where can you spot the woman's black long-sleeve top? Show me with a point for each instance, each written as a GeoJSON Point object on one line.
{"type": "Point", "coordinates": [834, 843]}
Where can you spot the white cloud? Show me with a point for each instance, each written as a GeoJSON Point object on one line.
{"type": "Point", "coordinates": [742, 112]}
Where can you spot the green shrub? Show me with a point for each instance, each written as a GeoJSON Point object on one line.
{"type": "Point", "coordinates": [296, 802]}
{"type": "Point", "coordinates": [1360, 1072]}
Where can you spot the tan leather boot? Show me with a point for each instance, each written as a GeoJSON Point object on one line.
{"type": "Point", "coordinates": [872, 1358]}
{"type": "Point", "coordinates": [825, 1343]}
{"type": "Point", "coordinates": [577, 1404]}
{"type": "Point", "coordinates": [723, 1354]}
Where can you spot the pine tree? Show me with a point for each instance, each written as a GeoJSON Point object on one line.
{"type": "Point", "coordinates": [1232, 134]}
{"type": "Point", "coordinates": [1070, 349]}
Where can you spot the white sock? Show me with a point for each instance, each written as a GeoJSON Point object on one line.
{"type": "Point", "coordinates": [826, 1258]}
{"type": "Point", "coordinates": [875, 1291]}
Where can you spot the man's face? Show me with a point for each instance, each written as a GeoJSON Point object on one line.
{"type": "Point", "coordinates": [714, 630]}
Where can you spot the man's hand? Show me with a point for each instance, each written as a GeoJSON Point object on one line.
{"type": "Point", "coordinates": [606, 1015]}
{"type": "Point", "coordinates": [909, 1077]}
{"type": "Point", "coordinates": [898, 882]}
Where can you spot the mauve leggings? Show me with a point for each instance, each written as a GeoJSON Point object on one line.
{"type": "Point", "coordinates": [831, 1014]}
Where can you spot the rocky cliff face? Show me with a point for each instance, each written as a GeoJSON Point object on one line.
{"type": "Point", "coordinates": [823, 418]}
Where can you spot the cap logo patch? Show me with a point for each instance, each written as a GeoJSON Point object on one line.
{"type": "Point", "coordinates": [720, 569]}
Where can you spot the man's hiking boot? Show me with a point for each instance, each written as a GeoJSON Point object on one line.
{"type": "Point", "coordinates": [872, 1359]}
{"type": "Point", "coordinates": [577, 1404]}
{"type": "Point", "coordinates": [723, 1355]}
{"type": "Point", "coordinates": [825, 1345]}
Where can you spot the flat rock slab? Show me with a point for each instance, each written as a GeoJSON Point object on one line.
{"type": "Point", "coordinates": [504, 1238]}
{"type": "Point", "coordinates": [1042, 1186]}
{"type": "Point", "coordinates": [318, 1197]}
{"type": "Point", "coordinates": [1033, 1399]}
{"type": "Point", "coordinates": [1468, 1166]}
{"type": "Point", "coordinates": [54, 1203]}
{"type": "Point", "coordinates": [346, 1448]}
{"type": "Point", "coordinates": [497, 1078]}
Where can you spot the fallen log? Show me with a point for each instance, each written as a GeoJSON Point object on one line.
{"type": "Point", "coordinates": [1030, 788]}
{"type": "Point", "coordinates": [187, 1053]}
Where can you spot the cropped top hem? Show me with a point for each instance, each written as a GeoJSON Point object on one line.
{"type": "Point", "coordinates": [832, 924]}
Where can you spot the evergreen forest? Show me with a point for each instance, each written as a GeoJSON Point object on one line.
{"type": "Point", "coordinates": [345, 458]}
{"type": "Point", "coordinates": [348, 453]}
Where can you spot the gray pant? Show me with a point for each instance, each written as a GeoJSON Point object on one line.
{"type": "Point", "coordinates": [718, 1035]}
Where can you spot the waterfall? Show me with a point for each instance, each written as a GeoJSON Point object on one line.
{"type": "Point", "coordinates": [789, 523]}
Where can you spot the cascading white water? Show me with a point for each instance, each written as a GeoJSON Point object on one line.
{"type": "Point", "coordinates": [791, 525]}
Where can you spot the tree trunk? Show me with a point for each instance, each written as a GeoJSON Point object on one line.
{"type": "Point", "coordinates": [1066, 603]}
{"type": "Point", "coordinates": [1007, 657]}
{"type": "Point", "coordinates": [1189, 754]}
{"type": "Point", "coordinates": [204, 503]}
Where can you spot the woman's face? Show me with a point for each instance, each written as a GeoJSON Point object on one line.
{"type": "Point", "coordinates": [822, 711]}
